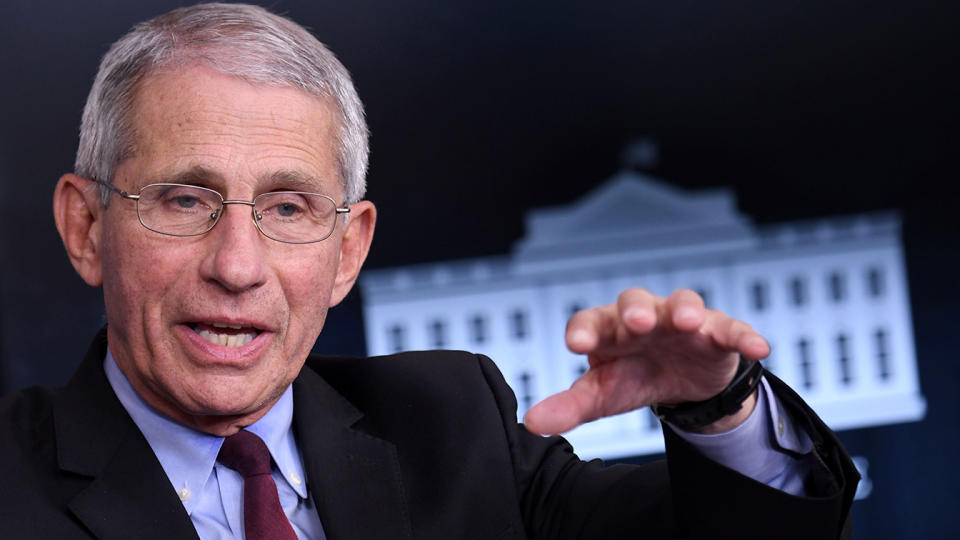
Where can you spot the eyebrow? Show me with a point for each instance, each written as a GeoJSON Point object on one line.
{"type": "Point", "coordinates": [197, 175]}
{"type": "Point", "coordinates": [291, 180]}
{"type": "Point", "coordinates": [287, 180]}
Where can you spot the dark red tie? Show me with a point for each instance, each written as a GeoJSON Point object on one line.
{"type": "Point", "coordinates": [263, 518]}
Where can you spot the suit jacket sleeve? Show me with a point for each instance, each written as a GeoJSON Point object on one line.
{"type": "Point", "coordinates": [688, 496]}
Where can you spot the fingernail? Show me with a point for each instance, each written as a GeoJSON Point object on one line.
{"type": "Point", "coordinates": [686, 314]}
{"type": "Point", "coordinates": [635, 315]}
{"type": "Point", "coordinates": [580, 337]}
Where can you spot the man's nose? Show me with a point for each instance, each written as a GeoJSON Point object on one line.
{"type": "Point", "coordinates": [236, 250]}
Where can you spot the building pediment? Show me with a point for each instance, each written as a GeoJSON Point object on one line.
{"type": "Point", "coordinates": [636, 210]}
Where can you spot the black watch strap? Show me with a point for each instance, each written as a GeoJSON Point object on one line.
{"type": "Point", "coordinates": [696, 414]}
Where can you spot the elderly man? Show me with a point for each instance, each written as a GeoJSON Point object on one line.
{"type": "Point", "coordinates": [217, 200]}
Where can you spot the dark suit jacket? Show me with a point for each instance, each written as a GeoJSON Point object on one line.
{"type": "Point", "coordinates": [415, 445]}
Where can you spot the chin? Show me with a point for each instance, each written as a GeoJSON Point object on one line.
{"type": "Point", "coordinates": [226, 400]}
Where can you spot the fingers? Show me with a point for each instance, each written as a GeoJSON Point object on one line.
{"type": "Point", "coordinates": [604, 390]}
{"type": "Point", "coordinates": [641, 312]}
{"type": "Point", "coordinates": [636, 312]}
{"type": "Point", "coordinates": [590, 328]}
{"type": "Point", "coordinates": [556, 414]}
{"type": "Point", "coordinates": [736, 335]}
{"type": "Point", "coordinates": [685, 310]}
{"type": "Point", "coordinates": [644, 349]}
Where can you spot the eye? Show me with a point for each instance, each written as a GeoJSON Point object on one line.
{"type": "Point", "coordinates": [285, 205]}
{"type": "Point", "coordinates": [178, 198]}
{"type": "Point", "coordinates": [287, 209]}
{"type": "Point", "coordinates": [185, 201]}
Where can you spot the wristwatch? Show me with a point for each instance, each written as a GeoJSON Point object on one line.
{"type": "Point", "coordinates": [696, 414]}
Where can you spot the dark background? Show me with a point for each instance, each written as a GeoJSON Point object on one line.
{"type": "Point", "coordinates": [486, 109]}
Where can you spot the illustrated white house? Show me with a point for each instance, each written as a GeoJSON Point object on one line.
{"type": "Point", "coordinates": [829, 294]}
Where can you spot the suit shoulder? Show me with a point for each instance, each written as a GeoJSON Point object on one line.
{"type": "Point", "coordinates": [448, 377]}
{"type": "Point", "coordinates": [26, 435]}
{"type": "Point", "coordinates": [421, 365]}
{"type": "Point", "coordinates": [26, 409]}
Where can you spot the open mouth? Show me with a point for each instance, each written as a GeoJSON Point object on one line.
{"type": "Point", "coordinates": [225, 335]}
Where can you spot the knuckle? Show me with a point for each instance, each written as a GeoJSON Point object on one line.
{"type": "Point", "coordinates": [684, 298]}
{"type": "Point", "coordinates": [633, 294]}
{"type": "Point", "coordinates": [740, 328]}
{"type": "Point", "coordinates": [680, 295]}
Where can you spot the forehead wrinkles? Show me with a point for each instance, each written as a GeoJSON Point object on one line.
{"type": "Point", "coordinates": [205, 118]}
{"type": "Point", "coordinates": [164, 120]}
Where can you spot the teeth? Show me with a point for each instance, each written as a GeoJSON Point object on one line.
{"type": "Point", "coordinates": [227, 340]}
{"type": "Point", "coordinates": [222, 325]}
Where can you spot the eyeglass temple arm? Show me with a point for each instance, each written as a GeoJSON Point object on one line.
{"type": "Point", "coordinates": [114, 189]}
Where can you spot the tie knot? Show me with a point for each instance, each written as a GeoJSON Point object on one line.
{"type": "Point", "coordinates": [245, 453]}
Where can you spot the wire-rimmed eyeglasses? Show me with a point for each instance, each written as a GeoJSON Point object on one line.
{"type": "Point", "coordinates": [293, 217]}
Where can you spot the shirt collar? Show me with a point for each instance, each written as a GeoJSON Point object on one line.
{"type": "Point", "coordinates": [188, 456]}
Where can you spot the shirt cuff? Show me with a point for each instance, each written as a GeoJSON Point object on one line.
{"type": "Point", "coordinates": [768, 446]}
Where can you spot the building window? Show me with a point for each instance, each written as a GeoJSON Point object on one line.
{"type": "Point", "coordinates": [758, 295]}
{"type": "Point", "coordinates": [768, 362]}
{"type": "Point", "coordinates": [396, 337]}
{"type": "Point", "coordinates": [478, 329]}
{"type": "Point", "coordinates": [438, 334]}
{"type": "Point", "coordinates": [653, 421]}
{"type": "Point", "coordinates": [875, 282]}
{"type": "Point", "coordinates": [518, 324]}
{"type": "Point", "coordinates": [705, 294]}
{"type": "Point", "coordinates": [838, 287]}
{"type": "Point", "coordinates": [881, 344]}
{"type": "Point", "coordinates": [806, 362]}
{"type": "Point", "coordinates": [798, 291]}
{"type": "Point", "coordinates": [526, 390]}
{"type": "Point", "coordinates": [843, 359]}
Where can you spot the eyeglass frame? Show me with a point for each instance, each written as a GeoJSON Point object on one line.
{"type": "Point", "coordinates": [223, 203]}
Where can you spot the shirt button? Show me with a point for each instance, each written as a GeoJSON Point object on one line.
{"type": "Point", "coordinates": [184, 494]}
{"type": "Point", "coordinates": [295, 478]}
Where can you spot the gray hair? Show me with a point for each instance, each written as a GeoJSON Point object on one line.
{"type": "Point", "coordinates": [244, 41]}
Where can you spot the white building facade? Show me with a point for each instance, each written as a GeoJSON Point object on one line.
{"type": "Point", "coordinates": [830, 296]}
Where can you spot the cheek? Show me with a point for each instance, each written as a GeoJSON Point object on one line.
{"type": "Point", "coordinates": [310, 293]}
{"type": "Point", "coordinates": [308, 285]}
{"type": "Point", "coordinates": [122, 272]}
{"type": "Point", "coordinates": [138, 272]}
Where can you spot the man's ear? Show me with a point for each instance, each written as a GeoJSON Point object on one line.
{"type": "Point", "coordinates": [354, 247]}
{"type": "Point", "coordinates": [78, 213]}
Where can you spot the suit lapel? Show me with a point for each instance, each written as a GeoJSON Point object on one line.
{"type": "Point", "coordinates": [129, 496]}
{"type": "Point", "coordinates": [354, 477]}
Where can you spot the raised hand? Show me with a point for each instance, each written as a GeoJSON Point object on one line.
{"type": "Point", "coordinates": [646, 349]}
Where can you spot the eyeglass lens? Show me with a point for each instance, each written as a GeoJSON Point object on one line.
{"type": "Point", "coordinates": [183, 210]}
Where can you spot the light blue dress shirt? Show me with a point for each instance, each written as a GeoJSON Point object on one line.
{"type": "Point", "coordinates": [212, 494]}
{"type": "Point", "coordinates": [761, 446]}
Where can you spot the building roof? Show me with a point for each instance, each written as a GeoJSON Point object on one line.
{"type": "Point", "coordinates": [633, 211]}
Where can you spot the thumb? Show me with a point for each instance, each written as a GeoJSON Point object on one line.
{"type": "Point", "coordinates": [559, 413]}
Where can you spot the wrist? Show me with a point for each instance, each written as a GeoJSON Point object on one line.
{"type": "Point", "coordinates": [729, 422]}
{"type": "Point", "coordinates": [723, 411]}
